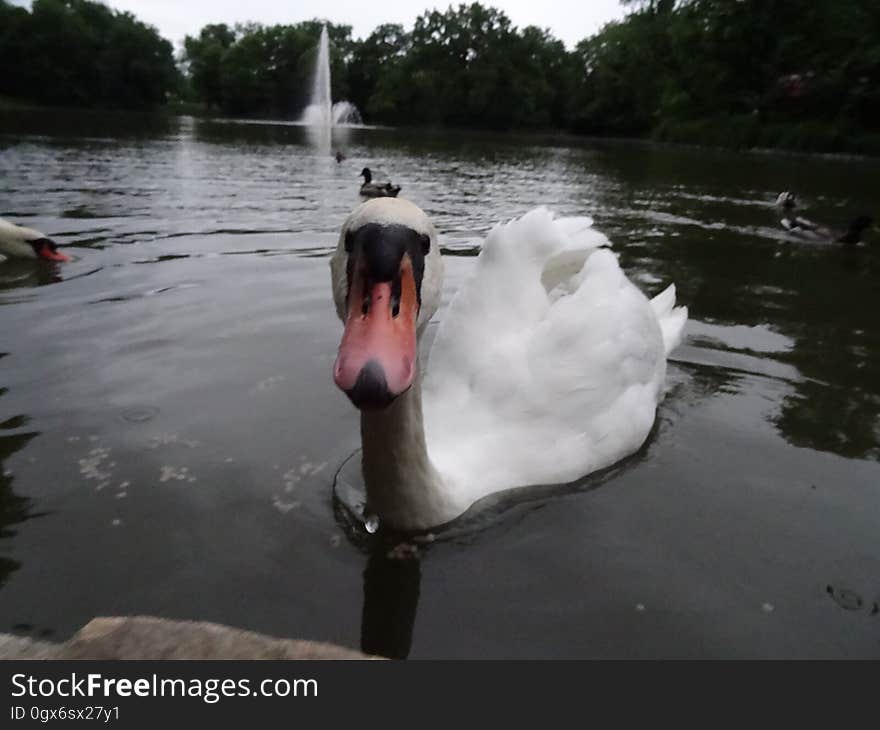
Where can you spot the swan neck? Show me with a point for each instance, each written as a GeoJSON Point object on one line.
{"type": "Point", "coordinates": [403, 488]}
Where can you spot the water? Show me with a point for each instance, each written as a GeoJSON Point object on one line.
{"type": "Point", "coordinates": [169, 429]}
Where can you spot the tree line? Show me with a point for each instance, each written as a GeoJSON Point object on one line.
{"type": "Point", "coordinates": [81, 53]}
{"type": "Point", "coordinates": [743, 72]}
{"type": "Point", "coordinates": [725, 71]}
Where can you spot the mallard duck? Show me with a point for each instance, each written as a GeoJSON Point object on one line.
{"type": "Point", "coordinates": [548, 364]}
{"type": "Point", "coordinates": [808, 230]}
{"type": "Point", "coordinates": [18, 242]}
{"type": "Point", "coordinates": [372, 189]}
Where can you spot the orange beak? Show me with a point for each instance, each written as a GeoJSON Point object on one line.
{"type": "Point", "coordinates": [377, 356]}
{"type": "Point", "coordinates": [51, 254]}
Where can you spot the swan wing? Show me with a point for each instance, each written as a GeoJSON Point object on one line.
{"type": "Point", "coordinates": [548, 363]}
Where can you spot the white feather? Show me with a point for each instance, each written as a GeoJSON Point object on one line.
{"type": "Point", "coordinates": [547, 365]}
{"type": "Point", "coordinates": [14, 240]}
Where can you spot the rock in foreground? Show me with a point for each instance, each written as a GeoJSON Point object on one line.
{"type": "Point", "coordinates": [147, 637]}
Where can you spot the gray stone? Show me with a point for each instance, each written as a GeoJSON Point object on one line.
{"type": "Point", "coordinates": [20, 647]}
{"type": "Point", "coordinates": [147, 637]}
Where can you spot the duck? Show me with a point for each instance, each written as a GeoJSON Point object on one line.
{"type": "Point", "coordinates": [805, 229]}
{"type": "Point", "coordinates": [18, 242]}
{"type": "Point", "coordinates": [547, 365]}
{"type": "Point", "coordinates": [371, 189]}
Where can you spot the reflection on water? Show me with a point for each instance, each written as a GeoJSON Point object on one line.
{"type": "Point", "coordinates": [391, 597]}
{"type": "Point", "coordinates": [181, 416]}
{"type": "Point", "coordinates": [812, 297]}
{"type": "Point", "coordinates": [15, 274]}
{"type": "Point", "coordinates": [841, 419]}
{"type": "Point", "coordinates": [13, 508]}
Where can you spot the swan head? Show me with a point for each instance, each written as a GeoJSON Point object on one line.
{"type": "Point", "coordinates": [47, 249]}
{"type": "Point", "coordinates": [387, 275]}
{"type": "Point", "coordinates": [20, 242]}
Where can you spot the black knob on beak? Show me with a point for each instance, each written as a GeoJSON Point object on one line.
{"type": "Point", "coordinates": [370, 390]}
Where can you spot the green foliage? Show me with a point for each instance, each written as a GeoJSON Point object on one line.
{"type": "Point", "coordinates": [204, 55]}
{"type": "Point", "coordinates": [256, 69]}
{"type": "Point", "coordinates": [731, 72]}
{"type": "Point", "coordinates": [468, 66]}
{"type": "Point", "coordinates": [724, 71]}
{"type": "Point", "coordinates": [76, 52]}
{"type": "Point", "coordinates": [737, 73]}
{"type": "Point", "coordinates": [378, 57]}
{"type": "Point", "coordinates": [620, 91]}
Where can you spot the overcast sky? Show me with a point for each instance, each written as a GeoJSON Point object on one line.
{"type": "Point", "coordinates": [570, 20]}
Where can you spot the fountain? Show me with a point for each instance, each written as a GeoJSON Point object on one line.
{"type": "Point", "coordinates": [324, 119]}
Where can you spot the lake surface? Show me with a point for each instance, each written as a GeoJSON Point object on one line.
{"type": "Point", "coordinates": [169, 429]}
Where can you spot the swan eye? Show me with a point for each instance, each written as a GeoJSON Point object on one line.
{"type": "Point", "coordinates": [349, 241]}
{"type": "Point", "coordinates": [426, 243]}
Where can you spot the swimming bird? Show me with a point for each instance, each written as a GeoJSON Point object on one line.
{"type": "Point", "coordinates": [17, 242]}
{"type": "Point", "coordinates": [371, 189]}
{"type": "Point", "coordinates": [810, 231]}
{"type": "Point", "coordinates": [548, 364]}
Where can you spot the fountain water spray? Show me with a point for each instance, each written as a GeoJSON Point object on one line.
{"type": "Point", "coordinates": [322, 116]}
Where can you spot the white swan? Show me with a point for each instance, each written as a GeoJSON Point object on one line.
{"type": "Point", "coordinates": [548, 364]}
{"type": "Point", "coordinates": [18, 242]}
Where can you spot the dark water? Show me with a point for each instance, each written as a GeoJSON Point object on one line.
{"type": "Point", "coordinates": [169, 429]}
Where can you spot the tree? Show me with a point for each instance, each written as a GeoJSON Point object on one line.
{"type": "Point", "coordinates": [733, 66]}
{"type": "Point", "coordinates": [81, 52]}
{"type": "Point", "coordinates": [204, 55]}
{"type": "Point", "coordinates": [466, 66]}
{"type": "Point", "coordinates": [257, 69]}
{"type": "Point", "coordinates": [373, 58]}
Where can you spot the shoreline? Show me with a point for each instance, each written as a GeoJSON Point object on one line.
{"type": "Point", "coordinates": [863, 146]}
